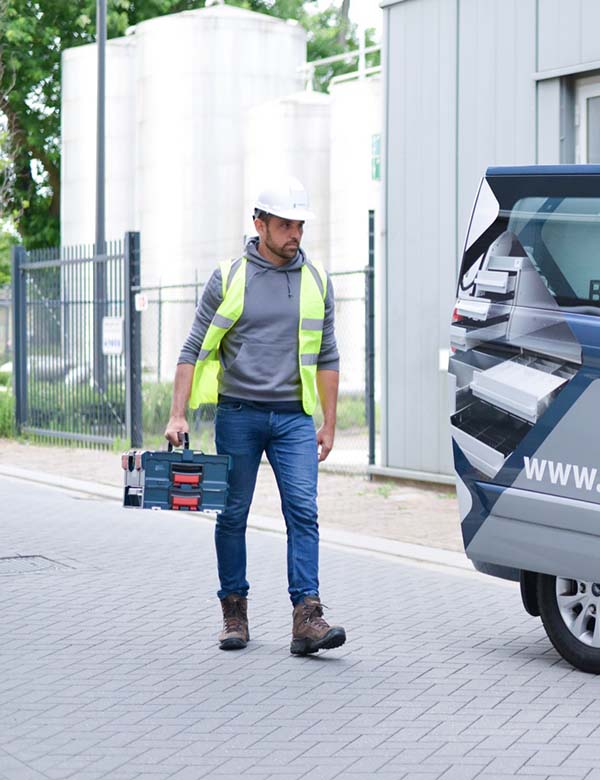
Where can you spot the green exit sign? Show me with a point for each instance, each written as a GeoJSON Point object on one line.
{"type": "Point", "coordinates": [376, 157]}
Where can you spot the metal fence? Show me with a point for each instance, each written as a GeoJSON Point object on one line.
{"type": "Point", "coordinates": [95, 352]}
{"type": "Point", "coordinates": [76, 343]}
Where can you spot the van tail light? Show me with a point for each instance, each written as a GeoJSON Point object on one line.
{"type": "Point", "coordinates": [456, 317]}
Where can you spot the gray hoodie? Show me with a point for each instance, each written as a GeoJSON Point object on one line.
{"type": "Point", "coordinates": [259, 355]}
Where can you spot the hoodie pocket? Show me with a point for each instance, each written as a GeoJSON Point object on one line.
{"type": "Point", "coordinates": [261, 367]}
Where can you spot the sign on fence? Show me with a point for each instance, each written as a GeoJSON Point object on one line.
{"type": "Point", "coordinates": [112, 336]}
{"type": "Point", "coordinates": [141, 301]}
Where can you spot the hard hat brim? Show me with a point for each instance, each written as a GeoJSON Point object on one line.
{"type": "Point", "coordinates": [298, 214]}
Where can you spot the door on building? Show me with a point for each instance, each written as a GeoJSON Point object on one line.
{"type": "Point", "coordinates": [587, 121]}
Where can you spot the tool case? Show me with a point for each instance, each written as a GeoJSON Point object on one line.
{"type": "Point", "coordinates": [180, 479]}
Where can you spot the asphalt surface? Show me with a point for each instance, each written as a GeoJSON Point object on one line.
{"type": "Point", "coordinates": [110, 666]}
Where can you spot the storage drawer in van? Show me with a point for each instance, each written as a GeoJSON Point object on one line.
{"type": "Point", "coordinates": [487, 435]}
{"type": "Point", "coordinates": [495, 282]}
{"type": "Point", "coordinates": [519, 388]}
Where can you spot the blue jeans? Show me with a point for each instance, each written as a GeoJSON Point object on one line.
{"type": "Point", "coordinates": [289, 440]}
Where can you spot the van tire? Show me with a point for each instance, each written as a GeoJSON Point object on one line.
{"type": "Point", "coordinates": [577, 653]}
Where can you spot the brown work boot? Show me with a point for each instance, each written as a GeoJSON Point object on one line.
{"type": "Point", "coordinates": [310, 631]}
{"type": "Point", "coordinates": [235, 634]}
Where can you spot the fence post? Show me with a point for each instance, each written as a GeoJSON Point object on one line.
{"type": "Point", "coordinates": [133, 341]}
{"type": "Point", "coordinates": [19, 348]}
{"type": "Point", "coordinates": [370, 339]}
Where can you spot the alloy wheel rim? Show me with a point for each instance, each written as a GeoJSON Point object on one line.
{"type": "Point", "coordinates": [579, 606]}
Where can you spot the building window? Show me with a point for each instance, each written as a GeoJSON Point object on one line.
{"type": "Point", "coordinates": [587, 120]}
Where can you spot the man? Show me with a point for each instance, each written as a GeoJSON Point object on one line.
{"type": "Point", "coordinates": [263, 345]}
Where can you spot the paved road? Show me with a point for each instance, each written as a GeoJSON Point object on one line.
{"type": "Point", "coordinates": [109, 667]}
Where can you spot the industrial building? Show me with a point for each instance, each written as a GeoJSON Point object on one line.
{"type": "Point", "coordinates": [467, 84]}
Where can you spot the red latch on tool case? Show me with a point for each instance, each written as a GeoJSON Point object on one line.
{"type": "Point", "coordinates": [185, 502]}
{"type": "Point", "coordinates": [187, 473]}
{"type": "Point", "coordinates": [186, 479]}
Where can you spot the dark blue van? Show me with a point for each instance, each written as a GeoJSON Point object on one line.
{"type": "Point", "coordinates": [524, 378]}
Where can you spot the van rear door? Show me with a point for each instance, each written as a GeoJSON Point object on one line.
{"type": "Point", "coordinates": [525, 338]}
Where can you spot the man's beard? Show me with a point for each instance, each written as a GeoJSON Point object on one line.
{"type": "Point", "coordinates": [286, 252]}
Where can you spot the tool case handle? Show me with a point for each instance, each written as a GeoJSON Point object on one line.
{"type": "Point", "coordinates": [183, 437]}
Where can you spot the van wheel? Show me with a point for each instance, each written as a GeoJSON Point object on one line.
{"type": "Point", "coordinates": [570, 612]}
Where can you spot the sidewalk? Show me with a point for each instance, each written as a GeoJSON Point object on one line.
{"type": "Point", "coordinates": [403, 512]}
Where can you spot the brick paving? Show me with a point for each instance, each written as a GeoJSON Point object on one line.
{"type": "Point", "coordinates": [110, 667]}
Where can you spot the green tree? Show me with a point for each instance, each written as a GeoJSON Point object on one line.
{"type": "Point", "coordinates": [34, 33]}
{"type": "Point", "coordinates": [6, 241]}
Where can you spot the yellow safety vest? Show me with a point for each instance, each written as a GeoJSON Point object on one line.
{"type": "Point", "coordinates": [205, 385]}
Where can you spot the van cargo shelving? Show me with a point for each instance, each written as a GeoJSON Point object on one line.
{"type": "Point", "coordinates": [525, 333]}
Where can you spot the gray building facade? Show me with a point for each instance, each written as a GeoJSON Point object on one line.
{"type": "Point", "coordinates": [467, 84]}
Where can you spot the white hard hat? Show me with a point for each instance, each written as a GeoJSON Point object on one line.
{"type": "Point", "coordinates": [286, 198]}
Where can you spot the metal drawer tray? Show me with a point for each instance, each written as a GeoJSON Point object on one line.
{"type": "Point", "coordinates": [464, 336]}
{"type": "Point", "coordinates": [480, 309]}
{"type": "Point", "coordinates": [498, 282]}
{"type": "Point", "coordinates": [487, 435]}
{"type": "Point", "coordinates": [500, 263]}
{"type": "Point", "coordinates": [517, 388]}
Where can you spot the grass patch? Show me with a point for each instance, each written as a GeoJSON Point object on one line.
{"type": "Point", "coordinates": [7, 415]}
{"type": "Point", "coordinates": [156, 404]}
{"type": "Point", "coordinates": [385, 489]}
{"type": "Point", "coordinates": [156, 407]}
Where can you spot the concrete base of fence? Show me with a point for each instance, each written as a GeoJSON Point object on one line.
{"type": "Point", "coordinates": [416, 476]}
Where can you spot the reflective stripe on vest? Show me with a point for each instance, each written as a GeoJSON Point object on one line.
{"type": "Point", "coordinates": [205, 387]}
{"type": "Point", "coordinates": [310, 332]}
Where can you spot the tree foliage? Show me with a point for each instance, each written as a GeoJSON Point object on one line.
{"type": "Point", "coordinates": [34, 33]}
{"type": "Point", "coordinates": [6, 241]}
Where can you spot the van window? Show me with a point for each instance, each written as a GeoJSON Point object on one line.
{"type": "Point", "coordinates": [562, 237]}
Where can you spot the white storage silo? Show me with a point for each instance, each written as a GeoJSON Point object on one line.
{"type": "Point", "coordinates": [174, 144]}
{"type": "Point", "coordinates": [78, 141]}
{"type": "Point", "coordinates": [198, 73]}
{"type": "Point", "coordinates": [356, 121]}
{"type": "Point", "coordinates": [78, 179]}
{"type": "Point", "coordinates": [291, 136]}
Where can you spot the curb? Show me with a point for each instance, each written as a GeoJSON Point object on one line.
{"type": "Point", "coordinates": [329, 536]}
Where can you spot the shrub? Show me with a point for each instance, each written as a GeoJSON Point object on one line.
{"type": "Point", "coordinates": [7, 415]}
